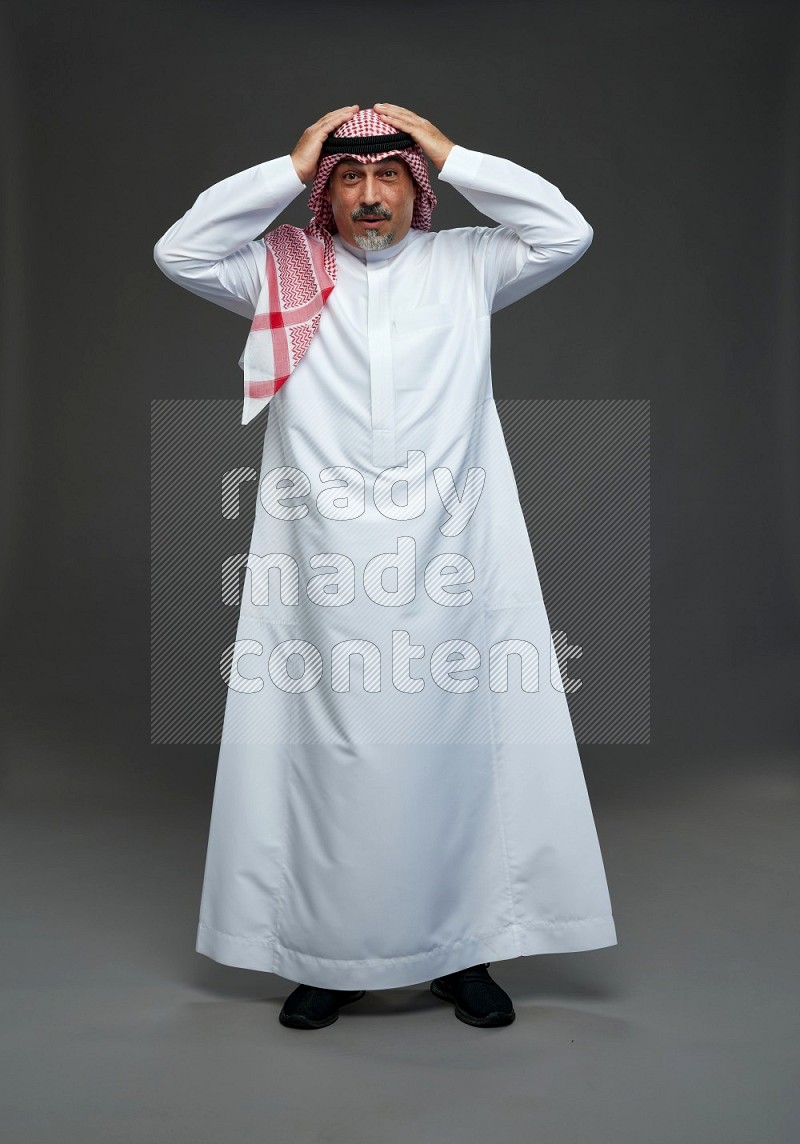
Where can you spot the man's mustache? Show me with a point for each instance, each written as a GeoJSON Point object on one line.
{"type": "Point", "coordinates": [367, 212]}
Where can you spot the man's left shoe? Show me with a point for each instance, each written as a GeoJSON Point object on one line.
{"type": "Point", "coordinates": [478, 1000]}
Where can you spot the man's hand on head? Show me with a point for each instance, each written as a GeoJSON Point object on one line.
{"type": "Point", "coordinates": [305, 155]}
{"type": "Point", "coordinates": [435, 145]}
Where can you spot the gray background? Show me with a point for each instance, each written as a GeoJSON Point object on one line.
{"type": "Point", "coordinates": [675, 130]}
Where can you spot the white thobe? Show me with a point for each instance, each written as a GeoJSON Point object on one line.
{"type": "Point", "coordinates": [399, 792]}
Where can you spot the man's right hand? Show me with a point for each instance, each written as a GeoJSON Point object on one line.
{"type": "Point", "coordinates": [305, 155]}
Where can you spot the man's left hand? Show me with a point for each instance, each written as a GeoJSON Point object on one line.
{"type": "Point", "coordinates": [435, 145]}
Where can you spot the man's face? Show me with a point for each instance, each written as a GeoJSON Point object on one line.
{"type": "Point", "coordinates": [383, 192]}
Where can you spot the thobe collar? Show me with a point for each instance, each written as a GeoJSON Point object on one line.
{"type": "Point", "coordinates": [378, 255]}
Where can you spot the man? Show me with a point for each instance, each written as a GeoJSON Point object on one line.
{"type": "Point", "coordinates": [429, 815]}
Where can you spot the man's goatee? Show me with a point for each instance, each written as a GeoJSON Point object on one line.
{"type": "Point", "coordinates": [374, 241]}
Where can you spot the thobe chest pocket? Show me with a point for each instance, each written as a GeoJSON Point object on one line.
{"type": "Point", "coordinates": [417, 336]}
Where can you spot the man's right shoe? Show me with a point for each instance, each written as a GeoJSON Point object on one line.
{"type": "Point", "coordinates": [309, 1007]}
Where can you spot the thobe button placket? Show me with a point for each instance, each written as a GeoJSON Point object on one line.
{"type": "Point", "coordinates": [380, 363]}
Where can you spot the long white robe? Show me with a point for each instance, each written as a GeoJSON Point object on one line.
{"type": "Point", "coordinates": [410, 802]}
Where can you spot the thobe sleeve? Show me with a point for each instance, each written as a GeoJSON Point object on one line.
{"type": "Point", "coordinates": [214, 250]}
{"type": "Point", "coordinates": [540, 234]}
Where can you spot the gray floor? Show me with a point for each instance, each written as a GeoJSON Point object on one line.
{"type": "Point", "coordinates": [116, 1030]}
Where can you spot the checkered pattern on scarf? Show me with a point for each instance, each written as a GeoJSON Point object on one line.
{"type": "Point", "coordinates": [301, 269]}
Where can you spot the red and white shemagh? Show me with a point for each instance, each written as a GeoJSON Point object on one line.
{"type": "Point", "coordinates": [301, 269]}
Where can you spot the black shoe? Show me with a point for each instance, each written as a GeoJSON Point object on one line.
{"type": "Point", "coordinates": [478, 1000]}
{"type": "Point", "coordinates": [308, 1007]}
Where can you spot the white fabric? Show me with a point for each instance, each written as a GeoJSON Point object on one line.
{"type": "Point", "coordinates": [384, 835]}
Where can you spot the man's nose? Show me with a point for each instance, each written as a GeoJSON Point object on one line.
{"type": "Point", "coordinates": [370, 191]}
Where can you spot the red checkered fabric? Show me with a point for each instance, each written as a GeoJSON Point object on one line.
{"type": "Point", "coordinates": [301, 269]}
